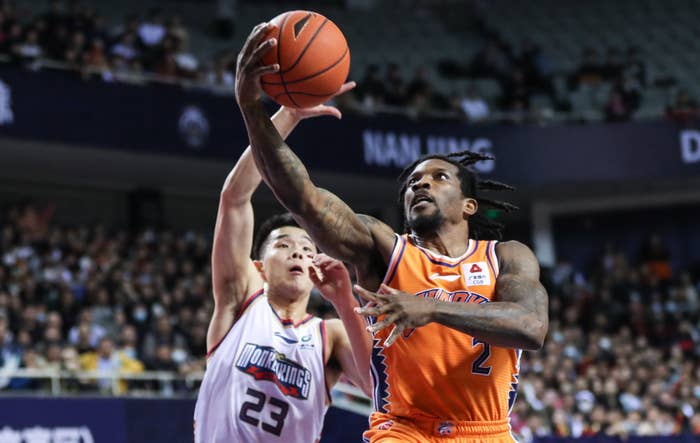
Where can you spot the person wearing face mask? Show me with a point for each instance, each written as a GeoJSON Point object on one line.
{"type": "Point", "coordinates": [270, 363]}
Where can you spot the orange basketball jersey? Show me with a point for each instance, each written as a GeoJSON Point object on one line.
{"type": "Point", "coordinates": [434, 371]}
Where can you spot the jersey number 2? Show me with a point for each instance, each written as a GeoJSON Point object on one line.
{"type": "Point", "coordinates": [478, 365]}
{"type": "Point", "coordinates": [258, 405]}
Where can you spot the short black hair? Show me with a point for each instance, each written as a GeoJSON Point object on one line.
{"type": "Point", "coordinates": [269, 225]}
{"type": "Point", "coordinates": [480, 227]}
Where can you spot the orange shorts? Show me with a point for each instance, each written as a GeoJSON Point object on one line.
{"type": "Point", "coordinates": [385, 428]}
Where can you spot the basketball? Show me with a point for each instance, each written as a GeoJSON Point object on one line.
{"type": "Point", "coordinates": [314, 59]}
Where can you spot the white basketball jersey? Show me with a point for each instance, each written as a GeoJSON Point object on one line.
{"type": "Point", "coordinates": [265, 382]}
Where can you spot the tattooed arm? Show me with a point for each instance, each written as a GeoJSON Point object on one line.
{"type": "Point", "coordinates": [331, 223]}
{"type": "Point", "coordinates": [517, 317]}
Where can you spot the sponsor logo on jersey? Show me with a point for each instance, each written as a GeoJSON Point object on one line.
{"type": "Point", "coordinates": [477, 274]}
{"type": "Point", "coordinates": [265, 363]}
{"type": "Point", "coordinates": [306, 342]}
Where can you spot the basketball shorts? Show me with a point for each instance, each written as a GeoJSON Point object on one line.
{"type": "Point", "coordinates": [385, 428]}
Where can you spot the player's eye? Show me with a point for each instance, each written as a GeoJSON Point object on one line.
{"type": "Point", "coordinates": [443, 176]}
{"type": "Point", "coordinates": [307, 249]}
{"type": "Point", "coordinates": [283, 245]}
{"type": "Point", "coordinates": [412, 180]}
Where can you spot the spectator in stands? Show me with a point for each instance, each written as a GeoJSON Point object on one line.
{"type": "Point", "coordinates": [128, 342]}
{"type": "Point", "coordinates": [163, 361]}
{"type": "Point", "coordinates": [74, 51]}
{"type": "Point", "coordinates": [166, 63]}
{"type": "Point", "coordinates": [175, 29]}
{"type": "Point", "coordinates": [31, 360]}
{"type": "Point", "coordinates": [86, 334]}
{"type": "Point", "coordinates": [11, 38]}
{"type": "Point", "coordinates": [656, 257]}
{"type": "Point", "coordinates": [684, 109]}
{"type": "Point", "coordinates": [420, 85]}
{"type": "Point", "coordinates": [634, 66]}
{"type": "Point", "coordinates": [28, 50]}
{"type": "Point", "coordinates": [589, 72]}
{"type": "Point", "coordinates": [152, 31]}
{"type": "Point", "coordinates": [474, 106]}
{"type": "Point", "coordinates": [617, 110]}
{"type": "Point", "coordinates": [125, 51]}
{"type": "Point", "coordinates": [106, 359]}
{"type": "Point", "coordinates": [516, 97]}
{"type": "Point", "coordinates": [613, 67]}
{"type": "Point", "coordinates": [187, 64]}
{"type": "Point", "coordinates": [536, 67]}
{"type": "Point", "coordinates": [371, 90]}
{"type": "Point", "coordinates": [493, 61]}
{"type": "Point", "coordinates": [163, 334]}
{"type": "Point", "coordinates": [220, 76]}
{"type": "Point", "coordinates": [94, 57]}
{"type": "Point", "coordinates": [395, 93]}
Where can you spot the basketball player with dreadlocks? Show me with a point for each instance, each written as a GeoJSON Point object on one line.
{"type": "Point", "coordinates": [451, 307]}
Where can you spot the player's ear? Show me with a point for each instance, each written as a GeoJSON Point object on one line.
{"type": "Point", "coordinates": [469, 206]}
{"type": "Point", "coordinates": [260, 267]}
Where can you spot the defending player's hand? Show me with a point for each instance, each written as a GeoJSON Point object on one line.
{"type": "Point", "coordinates": [334, 279]}
{"type": "Point", "coordinates": [402, 309]}
{"type": "Point", "coordinates": [302, 113]}
{"type": "Point", "coordinates": [250, 67]}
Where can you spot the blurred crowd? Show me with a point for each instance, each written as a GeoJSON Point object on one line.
{"type": "Point", "coordinates": [521, 84]}
{"type": "Point", "coordinates": [76, 35]}
{"type": "Point", "coordinates": [525, 85]}
{"type": "Point", "coordinates": [86, 298]}
{"type": "Point", "coordinates": [622, 353]}
{"type": "Point", "coordinates": [621, 357]}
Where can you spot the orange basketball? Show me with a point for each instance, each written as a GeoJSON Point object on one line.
{"type": "Point", "coordinates": [314, 59]}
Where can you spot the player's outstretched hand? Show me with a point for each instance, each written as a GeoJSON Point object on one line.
{"type": "Point", "coordinates": [402, 309]}
{"type": "Point", "coordinates": [250, 67]}
{"type": "Point", "coordinates": [333, 280]}
{"type": "Point", "coordinates": [302, 113]}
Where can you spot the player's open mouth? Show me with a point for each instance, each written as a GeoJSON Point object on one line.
{"type": "Point", "coordinates": [421, 198]}
{"type": "Point", "coordinates": [297, 270]}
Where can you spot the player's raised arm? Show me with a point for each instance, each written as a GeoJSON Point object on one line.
{"type": "Point", "coordinates": [234, 278]}
{"type": "Point", "coordinates": [333, 225]}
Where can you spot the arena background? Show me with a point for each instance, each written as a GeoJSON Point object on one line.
{"type": "Point", "coordinates": [118, 126]}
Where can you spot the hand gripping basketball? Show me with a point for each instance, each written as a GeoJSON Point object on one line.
{"type": "Point", "coordinates": [313, 56]}
{"type": "Point", "coordinates": [250, 67]}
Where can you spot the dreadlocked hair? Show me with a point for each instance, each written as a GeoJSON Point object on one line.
{"type": "Point", "coordinates": [480, 227]}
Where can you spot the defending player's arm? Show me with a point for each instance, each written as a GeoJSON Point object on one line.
{"type": "Point", "coordinates": [517, 318]}
{"type": "Point", "coordinates": [351, 344]}
{"type": "Point", "coordinates": [234, 277]}
{"type": "Point", "coordinates": [335, 228]}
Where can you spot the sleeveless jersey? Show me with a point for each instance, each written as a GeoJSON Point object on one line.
{"type": "Point", "coordinates": [265, 382]}
{"type": "Point", "coordinates": [434, 371]}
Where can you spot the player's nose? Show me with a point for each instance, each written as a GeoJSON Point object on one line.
{"type": "Point", "coordinates": [421, 183]}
